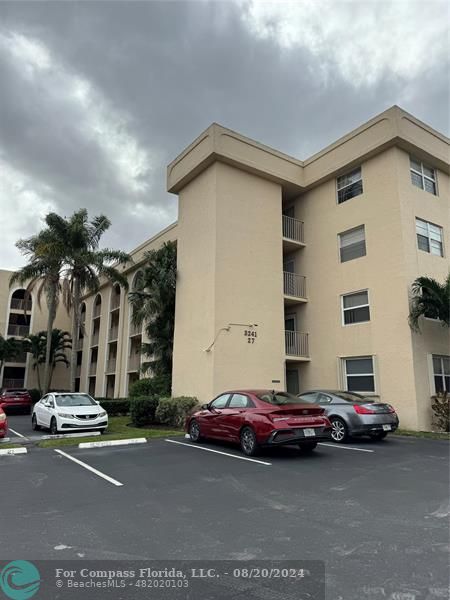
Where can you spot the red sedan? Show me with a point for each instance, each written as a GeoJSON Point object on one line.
{"type": "Point", "coordinates": [16, 399]}
{"type": "Point", "coordinates": [258, 418]}
{"type": "Point", "coordinates": [3, 424]}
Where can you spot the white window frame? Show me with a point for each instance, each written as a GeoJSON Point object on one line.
{"type": "Point", "coordinates": [344, 359]}
{"type": "Point", "coordinates": [422, 175]}
{"type": "Point", "coordinates": [428, 223]}
{"type": "Point", "coordinates": [343, 310]}
{"type": "Point", "coordinates": [433, 374]}
{"type": "Point", "coordinates": [346, 174]}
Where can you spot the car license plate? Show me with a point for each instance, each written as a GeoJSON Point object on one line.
{"type": "Point", "coordinates": [309, 432]}
{"type": "Point", "coordinates": [386, 427]}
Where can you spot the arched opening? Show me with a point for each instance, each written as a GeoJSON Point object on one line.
{"type": "Point", "coordinates": [135, 335]}
{"type": "Point", "coordinates": [96, 314]}
{"type": "Point", "coordinates": [19, 317]}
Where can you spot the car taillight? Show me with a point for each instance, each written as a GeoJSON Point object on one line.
{"type": "Point", "coordinates": [363, 410]}
{"type": "Point", "coordinates": [391, 409]}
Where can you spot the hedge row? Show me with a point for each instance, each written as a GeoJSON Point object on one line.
{"type": "Point", "coordinates": [151, 410]}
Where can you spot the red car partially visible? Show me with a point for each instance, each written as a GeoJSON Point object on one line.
{"type": "Point", "coordinates": [3, 424]}
{"type": "Point", "coordinates": [16, 399]}
{"type": "Point", "coordinates": [258, 418]}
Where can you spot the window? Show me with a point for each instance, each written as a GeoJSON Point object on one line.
{"type": "Point", "coordinates": [441, 373]}
{"type": "Point", "coordinates": [429, 237]}
{"type": "Point", "coordinates": [323, 398]}
{"type": "Point", "coordinates": [220, 402]}
{"type": "Point", "coordinates": [349, 185]}
{"type": "Point", "coordinates": [355, 308]}
{"type": "Point", "coordinates": [358, 374]}
{"type": "Point", "coordinates": [309, 397]}
{"type": "Point", "coordinates": [240, 401]}
{"type": "Point", "coordinates": [352, 243]}
{"type": "Point", "coordinates": [422, 176]}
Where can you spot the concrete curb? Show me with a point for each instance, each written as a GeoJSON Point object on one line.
{"type": "Point", "coordinates": [12, 451]}
{"type": "Point", "coordinates": [63, 436]}
{"type": "Point", "coordinates": [5, 440]}
{"type": "Point", "coordinates": [112, 443]}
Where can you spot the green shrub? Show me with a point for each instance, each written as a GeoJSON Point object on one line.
{"type": "Point", "coordinates": [173, 411]}
{"type": "Point", "coordinates": [35, 395]}
{"type": "Point", "coordinates": [142, 410]}
{"type": "Point", "coordinates": [441, 408]}
{"type": "Point", "coordinates": [152, 386]}
{"type": "Point", "coordinates": [115, 407]}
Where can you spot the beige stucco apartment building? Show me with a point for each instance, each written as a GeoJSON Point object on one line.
{"type": "Point", "coordinates": [296, 274]}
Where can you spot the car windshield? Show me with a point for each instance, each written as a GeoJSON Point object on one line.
{"type": "Point", "coordinates": [349, 397]}
{"type": "Point", "coordinates": [280, 398]}
{"type": "Point", "coordinates": [75, 400]}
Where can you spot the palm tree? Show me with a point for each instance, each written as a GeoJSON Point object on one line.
{"type": "Point", "coordinates": [45, 252]}
{"type": "Point", "coordinates": [85, 265]}
{"type": "Point", "coordinates": [36, 345]}
{"type": "Point", "coordinates": [430, 299]}
{"type": "Point", "coordinates": [153, 303]}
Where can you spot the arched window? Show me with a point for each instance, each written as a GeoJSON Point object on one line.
{"type": "Point", "coordinates": [19, 313]}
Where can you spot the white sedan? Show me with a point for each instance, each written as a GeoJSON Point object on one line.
{"type": "Point", "coordinates": [68, 412]}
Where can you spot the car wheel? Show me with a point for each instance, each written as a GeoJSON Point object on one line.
{"type": "Point", "coordinates": [102, 431]}
{"type": "Point", "coordinates": [308, 446]}
{"type": "Point", "coordinates": [194, 431]}
{"type": "Point", "coordinates": [34, 423]}
{"type": "Point", "coordinates": [377, 437]}
{"type": "Point", "coordinates": [53, 426]}
{"type": "Point", "coordinates": [339, 430]}
{"type": "Point", "coordinates": [249, 444]}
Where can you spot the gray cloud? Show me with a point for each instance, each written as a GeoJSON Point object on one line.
{"type": "Point", "coordinates": [158, 74]}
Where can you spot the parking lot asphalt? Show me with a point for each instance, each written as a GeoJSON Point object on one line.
{"type": "Point", "coordinates": [377, 514]}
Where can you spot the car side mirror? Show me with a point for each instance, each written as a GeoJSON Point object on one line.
{"type": "Point", "coordinates": [97, 401]}
{"type": "Point", "coordinates": [205, 406]}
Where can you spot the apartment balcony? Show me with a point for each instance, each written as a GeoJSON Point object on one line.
{"type": "Point", "coordinates": [113, 334]}
{"type": "Point", "coordinates": [79, 344]}
{"type": "Point", "coordinates": [296, 346]}
{"type": "Point", "coordinates": [115, 303]}
{"type": "Point", "coordinates": [13, 383]}
{"type": "Point", "coordinates": [293, 234]}
{"type": "Point", "coordinates": [78, 371]}
{"type": "Point", "coordinates": [134, 362]}
{"type": "Point", "coordinates": [111, 365]}
{"type": "Point", "coordinates": [135, 329]}
{"type": "Point", "coordinates": [294, 288]}
{"type": "Point", "coordinates": [18, 330]}
{"type": "Point", "coordinates": [93, 369]}
{"type": "Point", "coordinates": [21, 305]}
{"type": "Point", "coordinates": [97, 311]}
{"type": "Point", "coordinates": [94, 339]}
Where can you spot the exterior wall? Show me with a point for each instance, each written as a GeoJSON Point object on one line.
{"type": "Point", "coordinates": [229, 272]}
{"type": "Point", "coordinates": [433, 339]}
{"type": "Point", "coordinates": [38, 323]}
{"type": "Point", "coordinates": [386, 336]}
{"type": "Point", "coordinates": [123, 336]}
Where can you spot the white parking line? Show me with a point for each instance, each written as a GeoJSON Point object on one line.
{"type": "Point", "coordinates": [260, 462]}
{"type": "Point", "coordinates": [16, 432]}
{"type": "Point", "coordinates": [89, 468]}
{"type": "Point", "coordinates": [345, 447]}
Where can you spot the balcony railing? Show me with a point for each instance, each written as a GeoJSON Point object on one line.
{"type": "Point", "coordinates": [19, 330]}
{"type": "Point", "coordinates": [97, 311]}
{"type": "Point", "coordinates": [94, 339]}
{"type": "Point", "coordinates": [78, 371]}
{"type": "Point", "coordinates": [294, 285]}
{"type": "Point", "coordinates": [79, 344]}
{"type": "Point", "coordinates": [18, 359]}
{"type": "Point", "coordinates": [134, 362]}
{"type": "Point", "coordinates": [296, 344]}
{"type": "Point", "coordinates": [113, 333]}
{"type": "Point", "coordinates": [115, 302]}
{"type": "Point", "coordinates": [93, 368]}
{"type": "Point", "coordinates": [20, 304]}
{"type": "Point", "coordinates": [293, 229]}
{"type": "Point", "coordinates": [135, 329]}
{"type": "Point", "coordinates": [13, 383]}
{"type": "Point", "coordinates": [111, 365]}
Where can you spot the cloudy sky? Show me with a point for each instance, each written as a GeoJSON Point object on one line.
{"type": "Point", "coordinates": [97, 97]}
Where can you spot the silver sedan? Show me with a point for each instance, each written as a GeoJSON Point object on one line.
{"type": "Point", "coordinates": [353, 415]}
